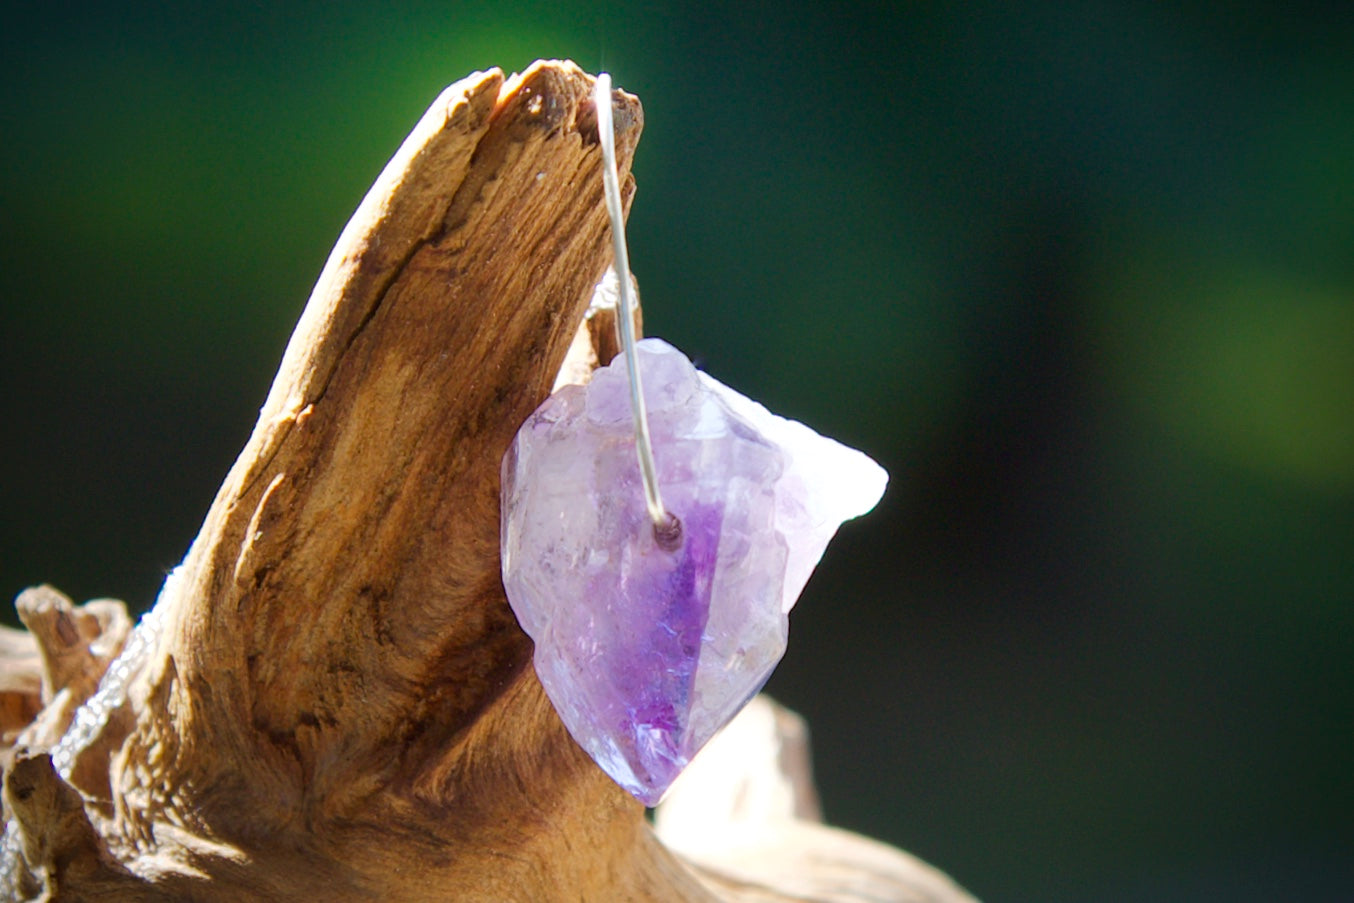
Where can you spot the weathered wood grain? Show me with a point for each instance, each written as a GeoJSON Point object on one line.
{"type": "Point", "coordinates": [341, 702]}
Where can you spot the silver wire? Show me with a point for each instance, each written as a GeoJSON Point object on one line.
{"type": "Point", "coordinates": [601, 96]}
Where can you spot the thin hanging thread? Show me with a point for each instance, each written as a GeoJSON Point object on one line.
{"type": "Point", "coordinates": [667, 529]}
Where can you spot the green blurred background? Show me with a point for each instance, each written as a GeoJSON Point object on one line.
{"type": "Point", "coordinates": [1080, 276]}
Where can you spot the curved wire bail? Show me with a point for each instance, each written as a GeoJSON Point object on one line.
{"type": "Point", "coordinates": [667, 529]}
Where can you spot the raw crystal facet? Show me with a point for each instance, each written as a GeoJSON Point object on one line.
{"type": "Point", "coordinates": [644, 651]}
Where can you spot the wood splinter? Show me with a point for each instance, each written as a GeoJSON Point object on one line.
{"type": "Point", "coordinates": [339, 697]}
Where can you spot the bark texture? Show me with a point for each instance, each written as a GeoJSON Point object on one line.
{"type": "Point", "coordinates": [339, 699]}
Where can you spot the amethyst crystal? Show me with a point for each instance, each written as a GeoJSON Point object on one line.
{"type": "Point", "coordinates": [647, 650]}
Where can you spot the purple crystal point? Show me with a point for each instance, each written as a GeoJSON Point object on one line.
{"type": "Point", "coordinates": [646, 651]}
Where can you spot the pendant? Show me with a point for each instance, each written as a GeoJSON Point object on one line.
{"type": "Point", "coordinates": [647, 647]}
{"type": "Point", "coordinates": [657, 528]}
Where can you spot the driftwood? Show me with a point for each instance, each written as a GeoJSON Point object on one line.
{"type": "Point", "coordinates": [339, 704]}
